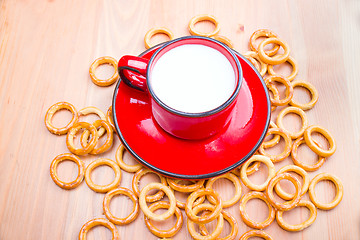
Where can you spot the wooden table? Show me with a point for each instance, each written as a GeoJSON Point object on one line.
{"type": "Point", "coordinates": [46, 48]}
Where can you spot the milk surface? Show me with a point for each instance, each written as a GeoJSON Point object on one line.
{"type": "Point", "coordinates": [193, 78]}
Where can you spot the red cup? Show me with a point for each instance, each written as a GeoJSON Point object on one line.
{"type": "Point", "coordinates": [136, 72]}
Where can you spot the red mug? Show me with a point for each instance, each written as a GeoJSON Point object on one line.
{"type": "Point", "coordinates": [137, 72]}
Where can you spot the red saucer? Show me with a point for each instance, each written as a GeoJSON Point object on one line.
{"type": "Point", "coordinates": [191, 159]}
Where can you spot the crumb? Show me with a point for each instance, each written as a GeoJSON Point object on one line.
{"type": "Point", "coordinates": [240, 28]}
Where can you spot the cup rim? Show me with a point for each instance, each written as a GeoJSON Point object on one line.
{"type": "Point", "coordinates": [199, 114]}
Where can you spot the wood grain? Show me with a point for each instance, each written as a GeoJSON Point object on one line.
{"type": "Point", "coordinates": [46, 48]}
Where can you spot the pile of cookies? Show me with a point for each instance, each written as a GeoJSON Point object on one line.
{"type": "Point", "coordinates": [204, 204]}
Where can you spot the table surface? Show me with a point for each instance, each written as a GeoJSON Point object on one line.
{"type": "Point", "coordinates": [46, 48]}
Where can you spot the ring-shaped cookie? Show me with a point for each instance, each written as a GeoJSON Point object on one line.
{"type": "Point", "coordinates": [315, 147]}
{"type": "Point", "coordinates": [52, 110]}
{"type": "Point", "coordinates": [181, 204]}
{"type": "Point", "coordinates": [232, 222]}
{"type": "Point", "coordinates": [189, 206]}
{"type": "Point", "coordinates": [135, 184]}
{"type": "Point", "coordinates": [254, 167]}
{"type": "Point", "coordinates": [174, 184]}
{"type": "Point", "coordinates": [253, 62]}
{"type": "Point", "coordinates": [298, 227]}
{"type": "Point", "coordinates": [255, 233]}
{"type": "Point", "coordinates": [71, 134]}
{"type": "Point", "coordinates": [276, 59]}
{"type": "Point", "coordinates": [245, 179]}
{"type": "Point", "coordinates": [224, 40]}
{"type": "Point", "coordinates": [296, 160]}
{"type": "Point", "coordinates": [275, 92]}
{"type": "Point", "coordinates": [297, 111]}
{"type": "Point", "coordinates": [245, 217]}
{"type": "Point", "coordinates": [106, 206]}
{"type": "Point", "coordinates": [164, 233]}
{"type": "Point", "coordinates": [339, 191]}
{"type": "Point", "coordinates": [275, 140]}
{"type": "Point", "coordinates": [217, 230]}
{"type": "Point", "coordinates": [96, 222]}
{"type": "Point", "coordinates": [294, 72]}
{"type": "Point", "coordinates": [93, 110]}
{"type": "Point", "coordinates": [152, 32]}
{"type": "Point", "coordinates": [110, 119]}
{"type": "Point", "coordinates": [288, 204]}
{"type": "Point", "coordinates": [302, 173]}
{"type": "Point", "coordinates": [100, 61]}
{"type": "Point", "coordinates": [263, 33]}
{"type": "Point", "coordinates": [235, 180]}
{"type": "Point", "coordinates": [313, 92]}
{"type": "Point", "coordinates": [109, 137]}
{"type": "Point", "coordinates": [263, 66]}
{"type": "Point", "coordinates": [64, 157]}
{"type": "Point", "coordinates": [288, 144]}
{"type": "Point", "coordinates": [289, 92]}
{"type": "Point", "coordinates": [103, 188]}
{"type": "Point", "coordinates": [151, 215]}
{"type": "Point", "coordinates": [200, 18]}
{"type": "Point", "coordinates": [126, 167]}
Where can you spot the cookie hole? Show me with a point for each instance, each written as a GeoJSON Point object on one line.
{"type": "Point", "coordinates": [306, 155]}
{"type": "Point", "coordinates": [260, 176]}
{"type": "Point", "coordinates": [159, 38]}
{"type": "Point", "coordinates": [67, 171]}
{"type": "Point", "coordinates": [257, 210]}
{"type": "Point", "coordinates": [117, 204]}
{"type": "Point", "coordinates": [104, 71]}
{"type": "Point", "coordinates": [301, 95]}
{"type": "Point", "coordinates": [296, 215]}
{"type": "Point", "coordinates": [99, 232]}
{"type": "Point", "coordinates": [284, 69]}
{"type": "Point", "coordinates": [61, 118]}
{"type": "Point", "coordinates": [102, 175]}
{"type": "Point", "coordinates": [204, 26]}
{"type": "Point", "coordinates": [292, 122]}
{"type": "Point", "coordinates": [325, 191]}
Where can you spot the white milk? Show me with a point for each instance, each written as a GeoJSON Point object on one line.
{"type": "Point", "coordinates": [193, 78]}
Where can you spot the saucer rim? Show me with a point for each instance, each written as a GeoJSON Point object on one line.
{"type": "Point", "coordinates": [202, 176]}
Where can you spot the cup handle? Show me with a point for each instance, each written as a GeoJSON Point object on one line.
{"type": "Point", "coordinates": [132, 71]}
